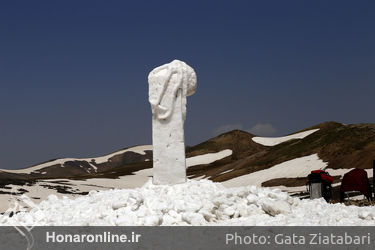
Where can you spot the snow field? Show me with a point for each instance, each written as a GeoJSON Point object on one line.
{"type": "Point", "coordinates": [208, 158]}
{"type": "Point", "coordinates": [193, 203]}
{"type": "Point", "coordinates": [273, 141]}
{"type": "Point", "coordinates": [298, 167]}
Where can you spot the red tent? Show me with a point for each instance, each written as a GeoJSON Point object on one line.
{"type": "Point", "coordinates": [356, 180]}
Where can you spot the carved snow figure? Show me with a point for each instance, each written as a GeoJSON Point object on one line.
{"type": "Point", "coordinates": [169, 85]}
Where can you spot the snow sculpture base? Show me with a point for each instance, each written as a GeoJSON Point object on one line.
{"type": "Point", "coordinates": [169, 85]}
{"type": "Point", "coordinates": [169, 148]}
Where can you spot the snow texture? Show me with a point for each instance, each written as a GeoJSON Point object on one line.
{"type": "Point", "coordinates": [169, 85]}
{"type": "Point", "coordinates": [299, 167]}
{"type": "Point", "coordinates": [41, 190]}
{"type": "Point", "coordinates": [193, 203]}
{"type": "Point", "coordinates": [273, 141]}
{"type": "Point", "coordinates": [208, 158]}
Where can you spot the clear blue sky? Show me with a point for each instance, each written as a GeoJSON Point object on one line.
{"type": "Point", "coordinates": [73, 74]}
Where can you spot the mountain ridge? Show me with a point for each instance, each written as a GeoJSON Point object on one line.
{"type": "Point", "coordinates": [340, 146]}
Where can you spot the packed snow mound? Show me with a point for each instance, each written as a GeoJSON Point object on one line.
{"type": "Point", "coordinates": [193, 203]}
{"type": "Point", "coordinates": [273, 141]}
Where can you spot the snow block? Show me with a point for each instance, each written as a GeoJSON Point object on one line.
{"type": "Point", "coordinates": [169, 85]}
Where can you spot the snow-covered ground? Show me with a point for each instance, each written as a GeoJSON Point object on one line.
{"type": "Point", "coordinates": [273, 141]}
{"type": "Point", "coordinates": [208, 158]}
{"type": "Point", "coordinates": [40, 190]}
{"type": "Point", "coordinates": [134, 200]}
{"type": "Point", "coordinates": [299, 167]}
{"type": "Point", "coordinates": [193, 203]}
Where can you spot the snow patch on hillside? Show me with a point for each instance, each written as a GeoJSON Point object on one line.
{"type": "Point", "coordinates": [299, 167]}
{"type": "Point", "coordinates": [272, 141]}
{"type": "Point", "coordinates": [98, 160]}
{"type": "Point", "coordinates": [139, 150]}
{"type": "Point", "coordinates": [207, 158]}
{"type": "Point", "coordinates": [193, 203]}
{"type": "Point", "coordinates": [192, 161]}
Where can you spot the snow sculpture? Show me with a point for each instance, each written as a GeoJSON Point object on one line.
{"type": "Point", "coordinates": [169, 85]}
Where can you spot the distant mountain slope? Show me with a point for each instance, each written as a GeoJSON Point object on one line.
{"type": "Point", "coordinates": [340, 146]}
{"type": "Point", "coordinates": [336, 146]}
{"type": "Point", "coordinates": [82, 168]}
{"type": "Point", "coordinates": [238, 141]}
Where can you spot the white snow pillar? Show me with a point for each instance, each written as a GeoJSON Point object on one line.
{"type": "Point", "coordinates": [169, 85]}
